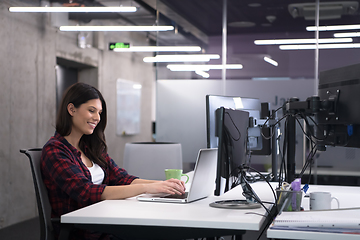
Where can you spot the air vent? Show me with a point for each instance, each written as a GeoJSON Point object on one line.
{"type": "Point", "coordinates": [328, 10]}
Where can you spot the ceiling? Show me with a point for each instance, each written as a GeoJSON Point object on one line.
{"type": "Point", "coordinates": [257, 16]}
{"type": "Point", "coordinates": [196, 20]}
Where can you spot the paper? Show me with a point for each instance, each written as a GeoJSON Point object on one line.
{"type": "Point", "coordinates": [339, 218]}
{"type": "Point", "coordinates": [319, 229]}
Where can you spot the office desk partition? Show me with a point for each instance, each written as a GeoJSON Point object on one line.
{"type": "Point", "coordinates": [130, 218]}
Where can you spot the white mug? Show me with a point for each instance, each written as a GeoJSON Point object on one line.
{"type": "Point", "coordinates": [321, 201]}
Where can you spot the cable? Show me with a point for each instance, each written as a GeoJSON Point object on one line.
{"type": "Point", "coordinates": [309, 160]}
{"type": "Point", "coordinates": [277, 122]}
{"type": "Point", "coordinates": [284, 150]}
{"type": "Point", "coordinates": [272, 115]}
{"type": "Point", "coordinates": [262, 203]}
{"type": "Point", "coordinates": [262, 176]}
{"type": "Point", "coordinates": [237, 129]}
{"type": "Point", "coordinates": [303, 130]}
{"type": "Point", "coordinates": [317, 125]}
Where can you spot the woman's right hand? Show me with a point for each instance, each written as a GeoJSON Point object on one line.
{"type": "Point", "coordinates": [171, 186]}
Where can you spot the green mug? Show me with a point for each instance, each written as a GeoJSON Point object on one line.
{"type": "Point", "coordinates": [176, 174]}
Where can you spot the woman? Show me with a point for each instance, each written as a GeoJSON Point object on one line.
{"type": "Point", "coordinates": [76, 168]}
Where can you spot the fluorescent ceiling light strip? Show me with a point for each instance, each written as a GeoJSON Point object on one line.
{"type": "Point", "coordinates": [333, 28]}
{"type": "Point", "coordinates": [72, 9]}
{"type": "Point", "coordinates": [321, 46]}
{"type": "Point", "coordinates": [202, 73]}
{"type": "Point", "coordinates": [137, 86]}
{"type": "Point", "coordinates": [116, 28]}
{"type": "Point", "coordinates": [159, 49]}
{"type": "Point", "coordinates": [302, 41]}
{"type": "Point", "coordinates": [271, 61]}
{"type": "Point", "coordinates": [271, 78]}
{"type": "Point", "coordinates": [188, 67]}
{"type": "Point", "coordinates": [182, 58]}
{"type": "Point", "coordinates": [350, 34]}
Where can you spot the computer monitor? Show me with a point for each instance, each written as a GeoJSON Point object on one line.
{"type": "Point", "coordinates": [339, 115]}
{"type": "Point", "coordinates": [336, 111]}
{"type": "Point", "coordinates": [231, 130]}
{"type": "Point", "coordinates": [256, 143]}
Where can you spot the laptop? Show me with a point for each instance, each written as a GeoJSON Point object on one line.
{"type": "Point", "coordinates": [202, 185]}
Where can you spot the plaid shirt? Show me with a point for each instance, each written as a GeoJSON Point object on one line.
{"type": "Point", "coordinates": [68, 180]}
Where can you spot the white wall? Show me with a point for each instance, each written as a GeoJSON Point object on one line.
{"type": "Point", "coordinates": [29, 47]}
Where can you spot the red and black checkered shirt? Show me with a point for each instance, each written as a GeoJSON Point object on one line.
{"type": "Point", "coordinates": [68, 180]}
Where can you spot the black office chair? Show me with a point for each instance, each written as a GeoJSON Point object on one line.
{"type": "Point", "coordinates": [43, 204]}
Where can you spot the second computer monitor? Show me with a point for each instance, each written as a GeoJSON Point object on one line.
{"type": "Point", "coordinates": [231, 129]}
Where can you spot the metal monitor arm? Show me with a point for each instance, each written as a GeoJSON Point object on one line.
{"type": "Point", "coordinates": [295, 108]}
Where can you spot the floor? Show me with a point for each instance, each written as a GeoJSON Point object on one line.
{"type": "Point", "coordinates": [30, 230]}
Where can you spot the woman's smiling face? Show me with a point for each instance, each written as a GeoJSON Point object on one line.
{"type": "Point", "coordinates": [86, 117]}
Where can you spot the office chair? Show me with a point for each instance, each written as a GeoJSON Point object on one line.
{"type": "Point", "coordinates": [148, 160]}
{"type": "Point", "coordinates": [42, 199]}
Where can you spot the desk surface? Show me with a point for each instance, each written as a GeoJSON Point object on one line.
{"type": "Point", "coordinates": [348, 198]}
{"type": "Point", "coordinates": [198, 214]}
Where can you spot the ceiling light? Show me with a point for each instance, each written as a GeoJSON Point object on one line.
{"type": "Point", "coordinates": [137, 86]}
{"type": "Point", "coordinates": [188, 67]}
{"type": "Point", "coordinates": [320, 46]}
{"type": "Point", "coordinates": [349, 34]}
{"type": "Point", "coordinates": [266, 25]}
{"type": "Point", "coordinates": [271, 18]}
{"type": "Point", "coordinates": [302, 41]}
{"type": "Point", "coordinates": [242, 24]}
{"type": "Point", "coordinates": [182, 58]}
{"type": "Point", "coordinates": [159, 49]}
{"type": "Point", "coordinates": [202, 73]}
{"type": "Point", "coordinates": [271, 61]}
{"type": "Point", "coordinates": [116, 28]}
{"type": "Point", "coordinates": [254, 4]}
{"type": "Point", "coordinates": [72, 9]}
{"type": "Point", "coordinates": [270, 78]}
{"type": "Point", "coordinates": [333, 28]}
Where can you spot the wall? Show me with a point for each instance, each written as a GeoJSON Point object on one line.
{"type": "Point", "coordinates": [29, 47]}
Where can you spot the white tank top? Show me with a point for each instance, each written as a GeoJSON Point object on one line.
{"type": "Point", "coordinates": [97, 174]}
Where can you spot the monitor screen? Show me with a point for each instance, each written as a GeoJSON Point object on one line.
{"type": "Point", "coordinates": [231, 128]}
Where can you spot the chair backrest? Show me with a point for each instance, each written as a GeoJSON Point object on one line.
{"type": "Point", "coordinates": [148, 160]}
{"type": "Point", "coordinates": [44, 207]}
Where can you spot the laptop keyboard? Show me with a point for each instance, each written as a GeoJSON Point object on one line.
{"type": "Point", "coordinates": [177, 196]}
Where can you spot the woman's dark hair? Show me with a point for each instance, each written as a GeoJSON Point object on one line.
{"type": "Point", "coordinates": [78, 94]}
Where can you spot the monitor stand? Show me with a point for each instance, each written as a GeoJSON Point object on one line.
{"type": "Point", "coordinates": [235, 204]}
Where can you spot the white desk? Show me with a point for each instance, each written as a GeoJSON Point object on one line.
{"type": "Point", "coordinates": [196, 218]}
{"type": "Point", "coordinates": [348, 198]}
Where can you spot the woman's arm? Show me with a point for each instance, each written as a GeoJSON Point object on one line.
{"type": "Point", "coordinates": [139, 186]}
{"type": "Point", "coordinates": [142, 181]}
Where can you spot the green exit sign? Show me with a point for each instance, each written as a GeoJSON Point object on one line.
{"type": "Point", "coordinates": [112, 46]}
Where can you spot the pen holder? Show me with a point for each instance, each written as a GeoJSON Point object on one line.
{"type": "Point", "coordinates": [288, 200]}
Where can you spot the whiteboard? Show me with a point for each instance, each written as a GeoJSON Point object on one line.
{"type": "Point", "coordinates": [128, 106]}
